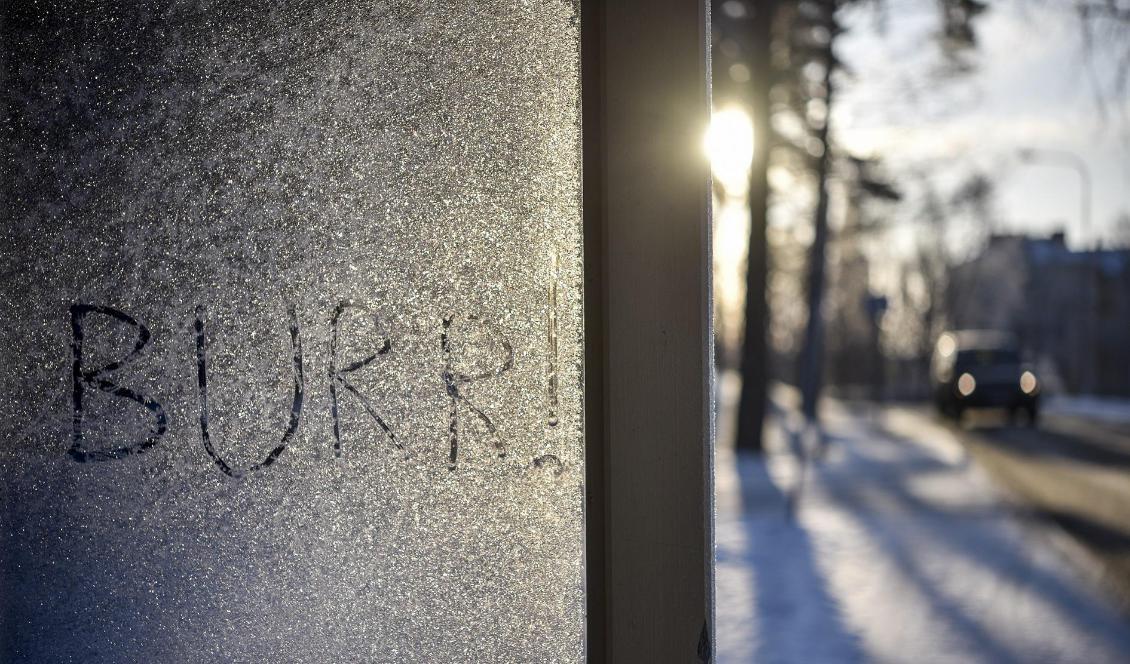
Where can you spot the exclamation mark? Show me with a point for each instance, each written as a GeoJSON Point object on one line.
{"type": "Point", "coordinates": [552, 340]}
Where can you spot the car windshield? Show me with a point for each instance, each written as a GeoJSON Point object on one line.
{"type": "Point", "coordinates": [980, 357]}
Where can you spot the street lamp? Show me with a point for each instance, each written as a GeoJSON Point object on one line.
{"type": "Point", "coordinates": [1085, 359]}
{"type": "Point", "coordinates": [1074, 161]}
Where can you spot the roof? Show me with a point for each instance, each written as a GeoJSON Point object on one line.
{"type": "Point", "coordinates": [980, 339]}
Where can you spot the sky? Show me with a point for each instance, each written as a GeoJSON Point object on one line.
{"type": "Point", "coordinates": [1031, 87]}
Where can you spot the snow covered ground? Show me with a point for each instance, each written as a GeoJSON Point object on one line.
{"type": "Point", "coordinates": [892, 548]}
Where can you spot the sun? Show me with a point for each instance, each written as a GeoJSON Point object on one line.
{"type": "Point", "coordinates": [729, 145]}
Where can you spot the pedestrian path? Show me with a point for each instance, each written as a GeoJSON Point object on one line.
{"type": "Point", "coordinates": [893, 547]}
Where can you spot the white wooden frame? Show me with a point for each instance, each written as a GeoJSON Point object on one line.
{"type": "Point", "coordinates": [649, 370]}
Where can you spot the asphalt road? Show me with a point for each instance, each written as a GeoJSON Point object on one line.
{"type": "Point", "coordinates": [1069, 471]}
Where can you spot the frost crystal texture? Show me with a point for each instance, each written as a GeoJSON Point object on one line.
{"type": "Point", "coordinates": [292, 327]}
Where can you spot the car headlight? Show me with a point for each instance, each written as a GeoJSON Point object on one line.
{"type": "Point", "coordinates": [966, 384]}
{"type": "Point", "coordinates": [1028, 383]}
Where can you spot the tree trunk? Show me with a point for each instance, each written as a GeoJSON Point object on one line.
{"type": "Point", "coordinates": [812, 353]}
{"type": "Point", "coordinates": [751, 403]}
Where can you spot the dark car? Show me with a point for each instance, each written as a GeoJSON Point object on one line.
{"type": "Point", "coordinates": [982, 369]}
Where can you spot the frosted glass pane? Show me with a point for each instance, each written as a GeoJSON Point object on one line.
{"type": "Point", "coordinates": [292, 333]}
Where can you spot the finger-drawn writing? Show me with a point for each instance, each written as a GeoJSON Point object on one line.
{"type": "Point", "coordinates": [455, 349]}
{"type": "Point", "coordinates": [98, 378]}
{"type": "Point", "coordinates": [338, 377]}
{"type": "Point", "coordinates": [202, 386]}
{"type": "Point", "coordinates": [552, 342]}
{"type": "Point", "coordinates": [453, 379]}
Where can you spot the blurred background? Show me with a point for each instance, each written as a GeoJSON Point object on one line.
{"type": "Point", "coordinates": [922, 314]}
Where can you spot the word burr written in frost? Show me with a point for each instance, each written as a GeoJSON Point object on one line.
{"type": "Point", "coordinates": [99, 379]}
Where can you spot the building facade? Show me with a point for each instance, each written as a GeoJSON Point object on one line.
{"type": "Point", "coordinates": [1069, 309]}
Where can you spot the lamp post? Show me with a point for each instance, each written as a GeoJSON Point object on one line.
{"type": "Point", "coordinates": [1075, 162]}
{"type": "Point", "coordinates": [1084, 358]}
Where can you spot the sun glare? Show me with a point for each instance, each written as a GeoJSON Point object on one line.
{"type": "Point", "coordinates": [729, 145]}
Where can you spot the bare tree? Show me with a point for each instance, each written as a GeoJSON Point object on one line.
{"type": "Point", "coordinates": [748, 30]}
